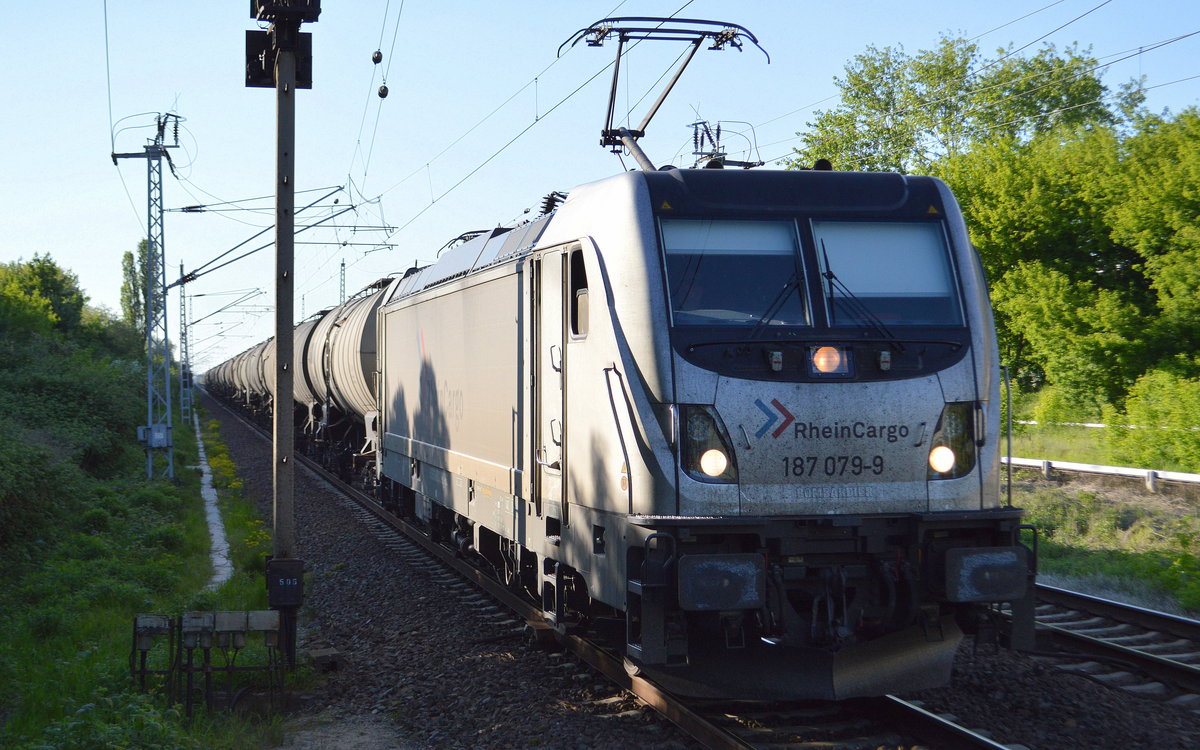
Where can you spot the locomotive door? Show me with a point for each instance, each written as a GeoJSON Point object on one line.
{"type": "Point", "coordinates": [550, 440]}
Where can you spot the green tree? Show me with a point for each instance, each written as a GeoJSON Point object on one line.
{"type": "Point", "coordinates": [42, 278]}
{"type": "Point", "coordinates": [1042, 206]}
{"type": "Point", "coordinates": [1155, 209]}
{"type": "Point", "coordinates": [107, 333]}
{"type": "Point", "coordinates": [22, 314]}
{"type": "Point", "coordinates": [1084, 339]}
{"type": "Point", "coordinates": [133, 288]}
{"type": "Point", "coordinates": [1045, 200]}
{"type": "Point", "coordinates": [904, 113]}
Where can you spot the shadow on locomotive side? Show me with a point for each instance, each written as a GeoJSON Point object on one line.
{"type": "Point", "coordinates": [746, 421]}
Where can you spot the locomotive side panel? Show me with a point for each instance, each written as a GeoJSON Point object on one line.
{"type": "Point", "coordinates": [454, 394]}
{"type": "Point", "coordinates": [620, 377]}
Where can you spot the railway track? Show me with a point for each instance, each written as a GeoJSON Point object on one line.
{"type": "Point", "coordinates": [849, 725]}
{"type": "Point", "coordinates": [1145, 652]}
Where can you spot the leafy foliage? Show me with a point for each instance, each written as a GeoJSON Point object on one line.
{"type": "Point", "coordinates": [1154, 211]}
{"type": "Point", "coordinates": [120, 721]}
{"type": "Point", "coordinates": [1085, 337]}
{"type": "Point", "coordinates": [42, 279]}
{"type": "Point", "coordinates": [133, 288]}
{"type": "Point", "coordinates": [1164, 412]}
{"type": "Point", "coordinates": [905, 113]}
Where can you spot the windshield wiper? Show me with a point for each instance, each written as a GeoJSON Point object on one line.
{"type": "Point", "coordinates": [776, 305]}
{"type": "Point", "coordinates": [855, 304]}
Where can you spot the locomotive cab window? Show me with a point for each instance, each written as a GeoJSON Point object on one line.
{"type": "Point", "coordinates": [728, 273]}
{"type": "Point", "coordinates": [896, 273]}
{"type": "Point", "coordinates": [578, 298]}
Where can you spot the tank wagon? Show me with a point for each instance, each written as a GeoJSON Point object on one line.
{"type": "Point", "coordinates": [746, 422]}
{"type": "Point", "coordinates": [335, 385]}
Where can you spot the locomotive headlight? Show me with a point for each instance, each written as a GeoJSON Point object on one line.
{"type": "Point", "coordinates": [713, 462]}
{"type": "Point", "coordinates": [952, 452]}
{"type": "Point", "coordinates": [832, 361]}
{"type": "Point", "coordinates": [941, 459]}
{"type": "Point", "coordinates": [705, 452]}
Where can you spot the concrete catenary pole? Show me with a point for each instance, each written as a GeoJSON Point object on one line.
{"type": "Point", "coordinates": [278, 59]}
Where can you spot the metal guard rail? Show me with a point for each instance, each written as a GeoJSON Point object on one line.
{"type": "Point", "coordinates": [1151, 476]}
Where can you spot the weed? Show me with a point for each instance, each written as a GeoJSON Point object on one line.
{"type": "Point", "coordinates": [1084, 534]}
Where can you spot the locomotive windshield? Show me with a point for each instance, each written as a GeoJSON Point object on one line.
{"type": "Point", "coordinates": [727, 272]}
{"type": "Point", "coordinates": [862, 274]}
{"type": "Point", "coordinates": [895, 272]}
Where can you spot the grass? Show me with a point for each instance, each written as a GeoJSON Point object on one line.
{"type": "Point", "coordinates": [65, 615]}
{"type": "Point", "coordinates": [1057, 443]}
{"type": "Point", "coordinates": [1136, 546]}
{"type": "Point", "coordinates": [1115, 540]}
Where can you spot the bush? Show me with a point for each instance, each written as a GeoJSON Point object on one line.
{"type": "Point", "coordinates": [94, 520]}
{"type": "Point", "coordinates": [168, 538]}
{"type": "Point", "coordinates": [118, 595]}
{"type": "Point", "coordinates": [125, 721]}
{"type": "Point", "coordinates": [1164, 410]}
{"type": "Point", "coordinates": [46, 622]}
{"type": "Point", "coordinates": [26, 504]}
{"type": "Point", "coordinates": [86, 547]}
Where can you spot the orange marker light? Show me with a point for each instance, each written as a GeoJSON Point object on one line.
{"type": "Point", "coordinates": [827, 359]}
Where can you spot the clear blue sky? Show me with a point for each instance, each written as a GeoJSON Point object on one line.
{"type": "Point", "coordinates": [448, 64]}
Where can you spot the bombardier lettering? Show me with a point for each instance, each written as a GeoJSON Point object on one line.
{"type": "Point", "coordinates": [838, 431]}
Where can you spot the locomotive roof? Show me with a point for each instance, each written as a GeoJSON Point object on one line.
{"type": "Point", "coordinates": [715, 191]}
{"type": "Point", "coordinates": [708, 192]}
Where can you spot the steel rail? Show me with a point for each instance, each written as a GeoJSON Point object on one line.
{"type": "Point", "coordinates": [1162, 622]}
{"type": "Point", "coordinates": [933, 729]}
{"type": "Point", "coordinates": [1178, 673]}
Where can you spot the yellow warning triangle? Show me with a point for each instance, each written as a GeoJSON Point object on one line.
{"type": "Point", "coordinates": [665, 207]}
{"type": "Point", "coordinates": [932, 210]}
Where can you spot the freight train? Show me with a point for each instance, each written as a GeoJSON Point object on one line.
{"type": "Point", "coordinates": [744, 422]}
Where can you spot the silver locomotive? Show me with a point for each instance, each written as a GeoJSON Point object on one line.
{"type": "Point", "coordinates": [746, 422]}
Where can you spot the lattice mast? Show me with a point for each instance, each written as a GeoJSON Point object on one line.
{"type": "Point", "coordinates": [185, 357]}
{"type": "Point", "coordinates": [155, 435]}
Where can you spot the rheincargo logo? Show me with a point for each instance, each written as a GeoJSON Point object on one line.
{"type": "Point", "coordinates": [813, 431]}
{"type": "Point", "coordinates": [772, 418]}
{"type": "Point", "coordinates": [860, 430]}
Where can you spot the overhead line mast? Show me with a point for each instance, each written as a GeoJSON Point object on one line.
{"type": "Point", "coordinates": [155, 435]}
{"type": "Point", "coordinates": [185, 360]}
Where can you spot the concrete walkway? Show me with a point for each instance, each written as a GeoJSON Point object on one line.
{"type": "Point", "coordinates": [222, 567]}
